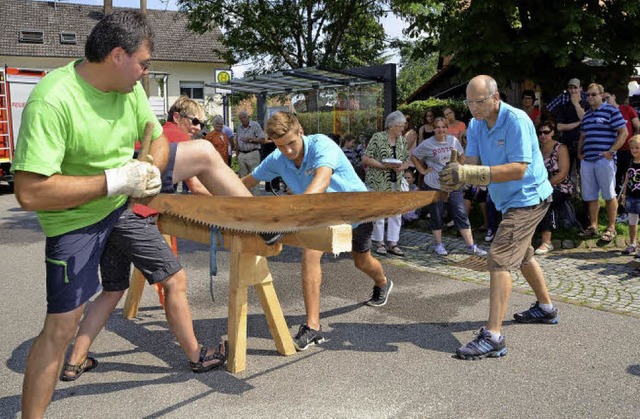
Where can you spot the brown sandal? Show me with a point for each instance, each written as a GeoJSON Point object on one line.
{"type": "Point", "coordinates": [608, 235]}
{"type": "Point", "coordinates": [396, 250]}
{"type": "Point", "coordinates": [589, 232]}
{"type": "Point", "coordinates": [219, 355]}
{"type": "Point", "coordinates": [78, 369]}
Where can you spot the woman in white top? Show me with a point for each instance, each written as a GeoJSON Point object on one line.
{"type": "Point", "coordinates": [430, 157]}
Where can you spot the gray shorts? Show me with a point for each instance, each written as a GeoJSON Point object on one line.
{"type": "Point", "coordinates": [111, 245]}
{"type": "Point", "coordinates": [511, 248]}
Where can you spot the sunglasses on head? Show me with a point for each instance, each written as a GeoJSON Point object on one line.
{"type": "Point", "coordinates": [544, 132]}
{"type": "Point", "coordinates": [194, 121]}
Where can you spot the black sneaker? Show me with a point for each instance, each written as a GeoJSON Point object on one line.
{"type": "Point", "coordinates": [271, 238]}
{"type": "Point", "coordinates": [380, 295]}
{"type": "Point", "coordinates": [482, 347]}
{"type": "Point", "coordinates": [306, 337]}
{"type": "Point", "coordinates": [536, 314]}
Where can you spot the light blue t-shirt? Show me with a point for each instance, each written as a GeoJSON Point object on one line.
{"type": "Point", "coordinates": [512, 139]}
{"type": "Point", "coordinates": [319, 151]}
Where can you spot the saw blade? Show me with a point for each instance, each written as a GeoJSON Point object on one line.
{"type": "Point", "coordinates": [287, 213]}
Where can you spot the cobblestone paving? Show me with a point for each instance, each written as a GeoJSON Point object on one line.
{"type": "Point", "coordinates": [590, 276]}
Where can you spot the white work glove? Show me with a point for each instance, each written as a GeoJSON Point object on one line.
{"type": "Point", "coordinates": [137, 179]}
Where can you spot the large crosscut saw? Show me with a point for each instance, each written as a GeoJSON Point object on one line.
{"type": "Point", "coordinates": [288, 213]}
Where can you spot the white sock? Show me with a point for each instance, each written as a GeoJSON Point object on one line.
{"type": "Point", "coordinates": [546, 307]}
{"type": "Point", "coordinates": [494, 336]}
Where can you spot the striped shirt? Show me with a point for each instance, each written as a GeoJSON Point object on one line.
{"type": "Point", "coordinates": [600, 128]}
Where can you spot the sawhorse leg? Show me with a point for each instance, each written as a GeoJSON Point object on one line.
{"type": "Point", "coordinates": [249, 269]}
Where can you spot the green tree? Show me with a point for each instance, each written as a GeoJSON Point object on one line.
{"type": "Point", "coordinates": [546, 41]}
{"type": "Point", "coordinates": [415, 70]}
{"type": "Point", "coordinates": [281, 34]}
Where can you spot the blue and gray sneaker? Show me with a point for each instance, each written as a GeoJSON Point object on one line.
{"type": "Point", "coordinates": [536, 314]}
{"type": "Point", "coordinates": [306, 337]}
{"type": "Point", "coordinates": [482, 347]}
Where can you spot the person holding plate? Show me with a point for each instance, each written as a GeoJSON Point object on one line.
{"type": "Point", "coordinates": [387, 157]}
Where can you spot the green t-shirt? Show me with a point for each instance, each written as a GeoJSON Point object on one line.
{"type": "Point", "coordinates": [71, 128]}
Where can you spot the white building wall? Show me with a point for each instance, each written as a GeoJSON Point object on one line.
{"type": "Point", "coordinates": [178, 71]}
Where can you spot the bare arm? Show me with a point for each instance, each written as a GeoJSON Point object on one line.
{"type": "Point", "coordinates": [580, 145]}
{"type": "Point", "coordinates": [563, 165]}
{"type": "Point", "coordinates": [420, 166]}
{"type": "Point", "coordinates": [636, 126]}
{"type": "Point", "coordinates": [320, 181]}
{"type": "Point", "coordinates": [504, 172]}
{"type": "Point", "coordinates": [196, 187]}
{"type": "Point", "coordinates": [620, 139]}
{"type": "Point", "coordinates": [160, 151]}
{"type": "Point", "coordinates": [249, 181]}
{"type": "Point", "coordinates": [568, 127]}
{"type": "Point", "coordinates": [35, 192]}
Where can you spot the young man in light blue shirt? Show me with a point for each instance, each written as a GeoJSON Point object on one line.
{"type": "Point", "coordinates": [316, 164]}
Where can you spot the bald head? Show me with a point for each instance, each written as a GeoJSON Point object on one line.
{"type": "Point", "coordinates": [483, 98]}
{"type": "Point", "coordinates": [484, 84]}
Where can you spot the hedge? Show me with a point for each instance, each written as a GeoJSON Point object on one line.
{"type": "Point", "coordinates": [418, 108]}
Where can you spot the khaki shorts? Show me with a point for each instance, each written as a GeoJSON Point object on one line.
{"type": "Point", "coordinates": [511, 248]}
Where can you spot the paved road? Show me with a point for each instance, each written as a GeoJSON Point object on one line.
{"type": "Point", "coordinates": [389, 362]}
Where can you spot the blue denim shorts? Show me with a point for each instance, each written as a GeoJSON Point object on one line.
{"type": "Point", "coordinates": [632, 205]}
{"type": "Point", "coordinates": [598, 177]}
{"type": "Point", "coordinates": [112, 244]}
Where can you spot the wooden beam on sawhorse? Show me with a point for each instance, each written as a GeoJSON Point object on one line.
{"type": "Point", "coordinates": [249, 268]}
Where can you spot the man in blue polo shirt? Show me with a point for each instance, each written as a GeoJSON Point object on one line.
{"type": "Point", "coordinates": [503, 139]}
{"type": "Point", "coordinates": [316, 164]}
{"type": "Point", "coordinates": [603, 132]}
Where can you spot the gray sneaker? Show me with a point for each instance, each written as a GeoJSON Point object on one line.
{"type": "Point", "coordinates": [306, 337]}
{"type": "Point", "coordinates": [475, 250]}
{"type": "Point", "coordinates": [380, 295]}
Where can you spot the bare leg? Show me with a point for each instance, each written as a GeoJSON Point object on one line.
{"type": "Point", "coordinates": [92, 323]}
{"type": "Point", "coordinates": [45, 361]}
{"type": "Point", "coordinates": [612, 210]}
{"type": "Point", "coordinates": [311, 282]}
{"type": "Point", "coordinates": [199, 158]}
{"type": "Point", "coordinates": [533, 274]}
{"type": "Point", "coordinates": [499, 293]}
{"type": "Point", "coordinates": [467, 236]}
{"type": "Point", "coordinates": [370, 266]}
{"type": "Point", "coordinates": [593, 207]}
{"type": "Point", "coordinates": [437, 235]}
{"type": "Point", "coordinates": [546, 237]}
{"type": "Point", "coordinates": [179, 315]}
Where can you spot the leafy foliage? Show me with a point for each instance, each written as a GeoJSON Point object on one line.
{"type": "Point", "coordinates": [414, 71]}
{"type": "Point", "coordinates": [280, 34]}
{"type": "Point", "coordinates": [546, 41]}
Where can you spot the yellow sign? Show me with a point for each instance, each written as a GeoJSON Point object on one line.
{"type": "Point", "coordinates": [223, 76]}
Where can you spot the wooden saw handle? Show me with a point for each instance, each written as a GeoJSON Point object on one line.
{"type": "Point", "coordinates": [145, 143]}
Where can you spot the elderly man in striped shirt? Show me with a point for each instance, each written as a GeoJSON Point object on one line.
{"type": "Point", "coordinates": [602, 132]}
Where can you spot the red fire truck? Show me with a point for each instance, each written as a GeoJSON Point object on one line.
{"type": "Point", "coordinates": [15, 86]}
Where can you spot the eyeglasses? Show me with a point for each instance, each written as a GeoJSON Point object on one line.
{"type": "Point", "coordinates": [544, 132]}
{"type": "Point", "coordinates": [592, 94]}
{"type": "Point", "coordinates": [194, 121]}
{"type": "Point", "coordinates": [144, 64]}
{"type": "Point", "coordinates": [478, 102]}
{"type": "Point", "coordinates": [606, 97]}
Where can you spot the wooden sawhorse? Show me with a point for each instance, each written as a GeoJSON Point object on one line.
{"type": "Point", "coordinates": [248, 268]}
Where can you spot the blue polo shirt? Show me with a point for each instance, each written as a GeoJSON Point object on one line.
{"type": "Point", "coordinates": [319, 151]}
{"type": "Point", "coordinates": [512, 139]}
{"type": "Point", "coordinates": [600, 128]}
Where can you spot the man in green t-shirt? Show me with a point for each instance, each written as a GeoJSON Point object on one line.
{"type": "Point", "coordinates": [73, 167]}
